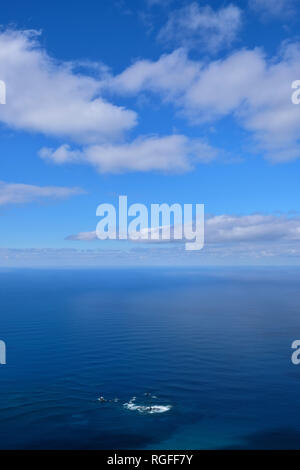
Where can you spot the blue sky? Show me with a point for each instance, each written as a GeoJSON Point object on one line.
{"type": "Point", "coordinates": [163, 101]}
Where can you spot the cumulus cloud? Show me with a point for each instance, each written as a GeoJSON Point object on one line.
{"type": "Point", "coordinates": [52, 97]}
{"type": "Point", "coordinates": [169, 76]}
{"type": "Point", "coordinates": [13, 193]}
{"type": "Point", "coordinates": [175, 153]}
{"type": "Point", "coordinates": [47, 96]}
{"type": "Point", "coordinates": [258, 93]}
{"type": "Point", "coordinates": [256, 90]}
{"type": "Point", "coordinates": [193, 26]}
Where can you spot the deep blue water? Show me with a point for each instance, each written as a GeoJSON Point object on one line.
{"type": "Point", "coordinates": [214, 345]}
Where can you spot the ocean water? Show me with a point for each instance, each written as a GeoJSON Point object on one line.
{"type": "Point", "coordinates": [183, 358]}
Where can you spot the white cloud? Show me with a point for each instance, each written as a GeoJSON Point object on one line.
{"type": "Point", "coordinates": [258, 239]}
{"type": "Point", "coordinates": [83, 236]}
{"type": "Point", "coordinates": [13, 193]}
{"type": "Point", "coordinates": [266, 8]}
{"type": "Point", "coordinates": [257, 227]}
{"type": "Point", "coordinates": [175, 153]}
{"type": "Point", "coordinates": [193, 27]}
{"type": "Point", "coordinates": [170, 75]}
{"type": "Point", "coordinates": [49, 97]}
{"type": "Point", "coordinates": [232, 229]}
{"type": "Point", "coordinates": [256, 90]}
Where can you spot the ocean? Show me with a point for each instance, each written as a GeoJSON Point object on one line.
{"type": "Point", "coordinates": [183, 358]}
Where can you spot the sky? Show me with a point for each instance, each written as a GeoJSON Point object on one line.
{"type": "Point", "coordinates": [163, 101]}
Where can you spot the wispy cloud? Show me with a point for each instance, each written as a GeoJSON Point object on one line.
{"type": "Point", "coordinates": [273, 8]}
{"type": "Point", "coordinates": [193, 26]}
{"type": "Point", "coordinates": [13, 193]}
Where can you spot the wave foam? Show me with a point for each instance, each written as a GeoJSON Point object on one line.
{"type": "Point", "coordinates": [146, 408]}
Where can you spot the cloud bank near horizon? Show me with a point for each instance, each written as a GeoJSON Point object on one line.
{"type": "Point", "coordinates": [252, 236]}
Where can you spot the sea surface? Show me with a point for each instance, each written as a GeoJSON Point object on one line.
{"type": "Point", "coordinates": [183, 358]}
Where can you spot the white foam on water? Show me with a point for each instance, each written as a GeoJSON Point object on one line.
{"type": "Point", "coordinates": [146, 409]}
